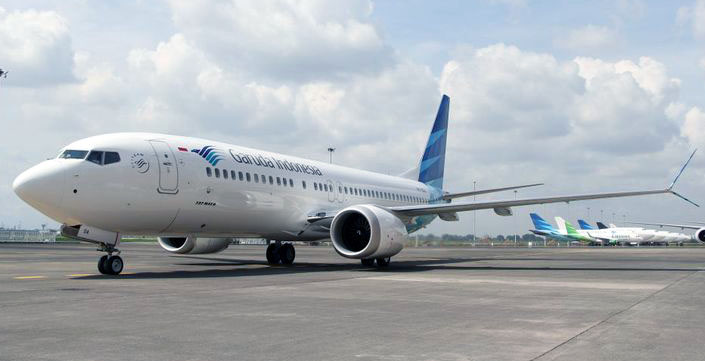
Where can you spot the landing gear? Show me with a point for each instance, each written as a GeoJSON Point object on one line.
{"type": "Point", "coordinates": [281, 253]}
{"type": "Point", "coordinates": [110, 264]}
{"type": "Point", "coordinates": [383, 262]}
{"type": "Point", "coordinates": [287, 253]}
{"type": "Point", "coordinates": [370, 262]}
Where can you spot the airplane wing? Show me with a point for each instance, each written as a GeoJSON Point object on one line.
{"type": "Point", "coordinates": [681, 226]}
{"type": "Point", "coordinates": [485, 191]}
{"type": "Point", "coordinates": [503, 207]}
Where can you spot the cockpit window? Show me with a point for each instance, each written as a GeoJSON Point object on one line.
{"type": "Point", "coordinates": [95, 157]}
{"type": "Point", "coordinates": [73, 154]}
{"type": "Point", "coordinates": [111, 157]}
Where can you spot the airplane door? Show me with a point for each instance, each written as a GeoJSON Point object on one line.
{"type": "Point", "coordinates": [341, 196]}
{"type": "Point", "coordinates": [168, 170]}
{"type": "Point", "coordinates": [331, 191]}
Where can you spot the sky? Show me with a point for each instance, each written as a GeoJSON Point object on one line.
{"type": "Point", "coordinates": [584, 96]}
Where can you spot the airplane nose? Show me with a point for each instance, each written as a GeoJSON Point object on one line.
{"type": "Point", "coordinates": [41, 186]}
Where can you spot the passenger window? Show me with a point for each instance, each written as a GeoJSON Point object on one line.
{"type": "Point", "coordinates": [217, 173]}
{"type": "Point", "coordinates": [256, 178]}
{"type": "Point", "coordinates": [225, 174]}
{"type": "Point", "coordinates": [240, 176]}
{"type": "Point", "coordinates": [248, 176]}
{"type": "Point", "coordinates": [340, 189]}
{"type": "Point", "coordinates": [271, 180]}
{"type": "Point", "coordinates": [326, 186]}
{"type": "Point", "coordinates": [345, 189]}
{"type": "Point", "coordinates": [315, 186]}
{"type": "Point", "coordinates": [279, 181]}
{"type": "Point", "coordinates": [111, 157]}
{"type": "Point", "coordinates": [264, 179]}
{"type": "Point", "coordinates": [303, 184]}
{"type": "Point", "coordinates": [209, 172]}
{"type": "Point", "coordinates": [232, 175]}
{"type": "Point", "coordinates": [95, 157]}
{"type": "Point", "coordinates": [291, 183]}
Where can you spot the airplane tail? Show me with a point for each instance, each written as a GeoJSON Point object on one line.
{"type": "Point", "coordinates": [434, 156]}
{"type": "Point", "coordinates": [561, 225]}
{"type": "Point", "coordinates": [540, 224]}
{"type": "Point", "coordinates": [584, 225]}
{"type": "Point", "coordinates": [601, 225]}
{"type": "Point", "coordinates": [571, 230]}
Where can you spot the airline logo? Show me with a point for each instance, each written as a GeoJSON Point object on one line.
{"type": "Point", "coordinates": [211, 154]}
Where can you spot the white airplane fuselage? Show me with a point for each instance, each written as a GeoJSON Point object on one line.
{"type": "Point", "coordinates": [167, 185]}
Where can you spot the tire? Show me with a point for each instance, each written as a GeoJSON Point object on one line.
{"type": "Point", "coordinates": [273, 254]}
{"type": "Point", "coordinates": [101, 264]}
{"type": "Point", "coordinates": [287, 253]}
{"type": "Point", "coordinates": [383, 262]}
{"type": "Point", "coordinates": [368, 262]}
{"type": "Point", "coordinates": [114, 265]}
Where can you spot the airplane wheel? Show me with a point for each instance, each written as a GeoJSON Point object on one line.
{"type": "Point", "coordinates": [272, 254]}
{"type": "Point", "coordinates": [368, 262]}
{"type": "Point", "coordinates": [383, 262]}
{"type": "Point", "coordinates": [114, 265]}
{"type": "Point", "coordinates": [101, 264]}
{"type": "Point", "coordinates": [287, 253]}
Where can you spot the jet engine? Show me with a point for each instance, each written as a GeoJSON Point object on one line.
{"type": "Point", "coordinates": [366, 232]}
{"type": "Point", "coordinates": [193, 245]}
{"type": "Point", "coordinates": [700, 235]}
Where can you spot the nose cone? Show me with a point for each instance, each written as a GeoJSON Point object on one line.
{"type": "Point", "coordinates": [42, 187]}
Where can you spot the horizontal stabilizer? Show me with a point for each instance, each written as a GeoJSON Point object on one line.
{"type": "Point", "coordinates": [681, 226]}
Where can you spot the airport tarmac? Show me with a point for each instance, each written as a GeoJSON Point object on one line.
{"type": "Point", "coordinates": [431, 304]}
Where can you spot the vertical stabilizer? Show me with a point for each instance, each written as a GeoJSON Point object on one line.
{"type": "Point", "coordinates": [560, 222]}
{"type": "Point", "coordinates": [434, 156]}
{"type": "Point", "coordinates": [584, 225]}
{"type": "Point", "coordinates": [570, 229]}
{"type": "Point", "coordinates": [601, 225]}
{"type": "Point", "coordinates": [540, 224]}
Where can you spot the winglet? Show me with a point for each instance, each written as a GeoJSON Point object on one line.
{"type": "Point", "coordinates": [670, 187]}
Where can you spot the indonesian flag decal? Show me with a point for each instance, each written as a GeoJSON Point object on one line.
{"type": "Point", "coordinates": [182, 149]}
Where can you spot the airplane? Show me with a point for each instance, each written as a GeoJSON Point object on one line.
{"type": "Point", "coordinates": [196, 194]}
{"type": "Point", "coordinates": [645, 235]}
{"type": "Point", "coordinates": [545, 229]}
{"type": "Point", "coordinates": [570, 231]}
{"type": "Point", "coordinates": [698, 235]}
{"type": "Point", "coordinates": [608, 235]}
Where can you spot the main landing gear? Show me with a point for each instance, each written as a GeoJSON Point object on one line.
{"type": "Point", "coordinates": [381, 262]}
{"type": "Point", "coordinates": [278, 252]}
{"type": "Point", "coordinates": [110, 264]}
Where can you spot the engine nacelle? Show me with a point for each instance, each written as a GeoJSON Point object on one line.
{"type": "Point", "coordinates": [193, 245]}
{"type": "Point", "coordinates": [700, 235]}
{"type": "Point", "coordinates": [366, 231]}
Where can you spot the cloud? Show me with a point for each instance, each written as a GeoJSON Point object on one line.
{"type": "Point", "coordinates": [501, 94]}
{"type": "Point", "coordinates": [694, 127]}
{"type": "Point", "coordinates": [694, 16]}
{"type": "Point", "coordinates": [587, 38]}
{"type": "Point", "coordinates": [280, 39]}
{"type": "Point", "coordinates": [35, 47]}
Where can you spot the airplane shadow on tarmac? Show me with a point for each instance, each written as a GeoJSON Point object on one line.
{"type": "Point", "coordinates": [403, 266]}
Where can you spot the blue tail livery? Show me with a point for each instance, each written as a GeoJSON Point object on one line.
{"type": "Point", "coordinates": [434, 157]}
{"type": "Point", "coordinates": [540, 223]}
{"type": "Point", "coordinates": [584, 225]}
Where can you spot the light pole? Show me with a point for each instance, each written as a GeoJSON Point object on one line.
{"type": "Point", "coordinates": [515, 221]}
{"type": "Point", "coordinates": [612, 217]}
{"type": "Point", "coordinates": [474, 216]}
{"type": "Point", "coordinates": [588, 208]}
{"type": "Point", "coordinates": [330, 151]}
{"type": "Point", "coordinates": [602, 219]}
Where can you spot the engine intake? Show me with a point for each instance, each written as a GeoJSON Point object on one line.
{"type": "Point", "coordinates": [367, 231]}
{"type": "Point", "coordinates": [193, 245]}
{"type": "Point", "coordinates": [700, 235]}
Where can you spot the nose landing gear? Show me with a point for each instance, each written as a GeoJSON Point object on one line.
{"type": "Point", "coordinates": [110, 264]}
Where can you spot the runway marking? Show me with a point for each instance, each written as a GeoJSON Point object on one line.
{"type": "Point", "coordinates": [529, 283]}
{"type": "Point", "coordinates": [81, 275]}
{"type": "Point", "coordinates": [29, 277]}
